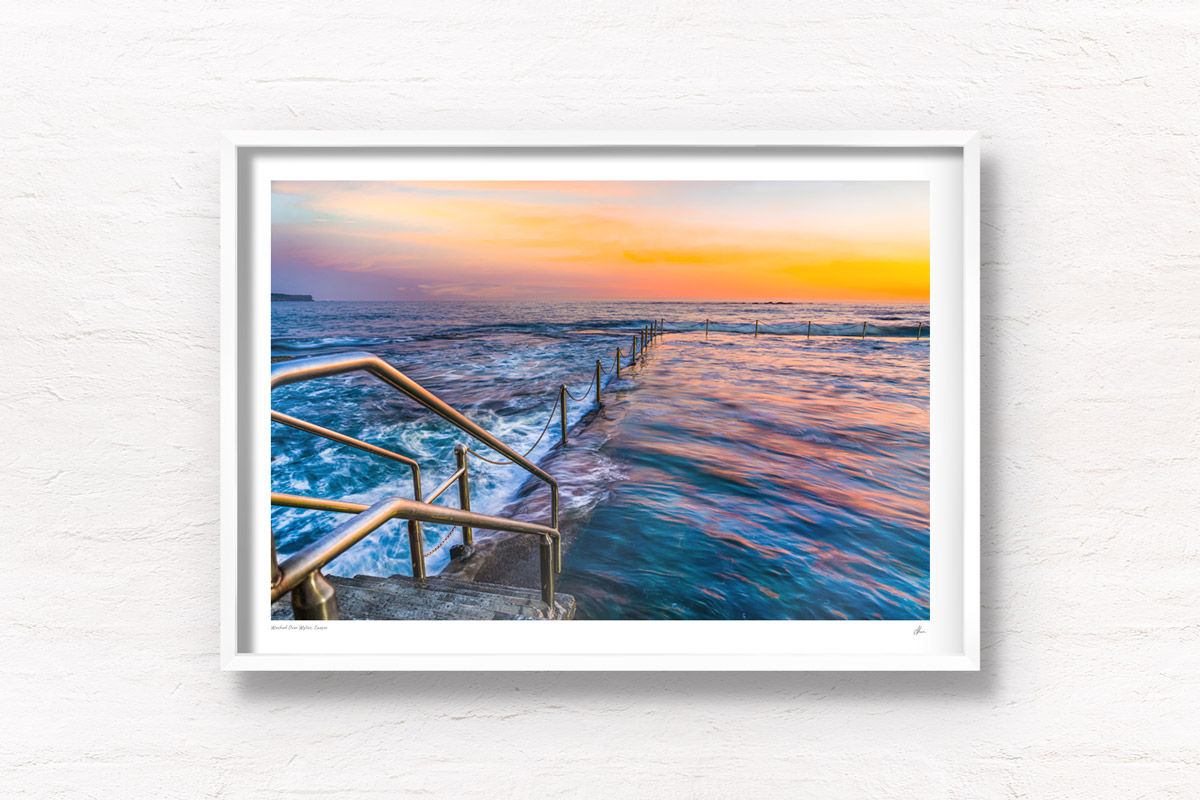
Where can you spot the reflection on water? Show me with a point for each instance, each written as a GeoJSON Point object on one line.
{"type": "Point", "coordinates": [764, 478]}
{"type": "Point", "coordinates": [728, 477]}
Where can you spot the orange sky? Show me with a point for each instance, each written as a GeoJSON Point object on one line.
{"type": "Point", "coordinates": [602, 240]}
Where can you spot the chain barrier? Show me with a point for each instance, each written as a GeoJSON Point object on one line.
{"type": "Point", "coordinates": [442, 542]}
{"type": "Point", "coordinates": [549, 419]}
{"type": "Point", "coordinates": [545, 428]}
{"type": "Point", "coordinates": [585, 391]}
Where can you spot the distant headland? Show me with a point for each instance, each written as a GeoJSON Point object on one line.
{"type": "Point", "coordinates": [299, 298]}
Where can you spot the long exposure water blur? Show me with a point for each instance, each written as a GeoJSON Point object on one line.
{"type": "Point", "coordinates": [728, 476]}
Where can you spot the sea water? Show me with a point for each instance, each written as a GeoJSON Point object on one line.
{"type": "Point", "coordinates": [728, 475]}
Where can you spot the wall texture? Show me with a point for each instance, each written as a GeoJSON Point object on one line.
{"type": "Point", "coordinates": [108, 323]}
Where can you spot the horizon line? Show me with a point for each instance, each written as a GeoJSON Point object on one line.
{"type": "Point", "coordinates": [610, 300]}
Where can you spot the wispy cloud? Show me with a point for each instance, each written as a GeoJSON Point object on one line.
{"type": "Point", "coordinates": [594, 240]}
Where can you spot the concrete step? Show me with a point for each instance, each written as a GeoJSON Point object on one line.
{"type": "Point", "coordinates": [400, 597]}
{"type": "Point", "coordinates": [474, 586]}
{"type": "Point", "coordinates": [434, 591]}
{"type": "Point", "coordinates": [483, 591]}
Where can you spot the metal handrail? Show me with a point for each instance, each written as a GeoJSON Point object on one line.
{"type": "Point", "coordinates": [300, 573]}
{"type": "Point", "coordinates": [288, 372]}
{"type": "Point", "coordinates": [301, 566]}
{"type": "Point", "coordinates": [446, 484]}
{"type": "Point", "coordinates": [335, 436]}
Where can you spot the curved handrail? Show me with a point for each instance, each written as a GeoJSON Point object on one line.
{"type": "Point", "coordinates": [297, 567]}
{"type": "Point", "coordinates": [288, 372]}
{"type": "Point", "coordinates": [350, 441]}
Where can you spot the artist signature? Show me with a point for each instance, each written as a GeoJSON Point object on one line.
{"type": "Point", "coordinates": [919, 631]}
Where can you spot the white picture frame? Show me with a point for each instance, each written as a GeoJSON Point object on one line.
{"type": "Point", "coordinates": [949, 640]}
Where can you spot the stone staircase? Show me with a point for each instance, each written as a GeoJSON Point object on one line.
{"type": "Point", "coordinates": [400, 597]}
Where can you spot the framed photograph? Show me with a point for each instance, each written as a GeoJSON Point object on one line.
{"type": "Point", "coordinates": [600, 401]}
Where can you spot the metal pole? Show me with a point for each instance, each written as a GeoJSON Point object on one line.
{"type": "Point", "coordinates": [314, 598]}
{"type": "Point", "coordinates": [618, 363]}
{"type": "Point", "coordinates": [919, 324]}
{"type": "Point", "coordinates": [864, 333]}
{"type": "Point", "coordinates": [464, 490]}
{"type": "Point", "coordinates": [598, 383]}
{"type": "Point", "coordinates": [416, 549]}
{"type": "Point", "coordinates": [547, 564]}
{"type": "Point", "coordinates": [562, 404]}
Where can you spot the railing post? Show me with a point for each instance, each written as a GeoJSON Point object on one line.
{"type": "Point", "coordinates": [919, 324]}
{"type": "Point", "coordinates": [464, 490]}
{"type": "Point", "coordinates": [314, 598]}
{"type": "Point", "coordinates": [275, 574]}
{"type": "Point", "coordinates": [562, 404]}
{"type": "Point", "coordinates": [547, 563]}
{"type": "Point", "coordinates": [618, 363]}
{"type": "Point", "coordinates": [598, 403]}
{"type": "Point", "coordinates": [414, 527]}
{"type": "Point", "coordinates": [864, 333]}
{"type": "Point", "coordinates": [416, 550]}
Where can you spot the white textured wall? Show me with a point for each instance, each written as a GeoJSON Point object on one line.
{"type": "Point", "coordinates": [108, 316]}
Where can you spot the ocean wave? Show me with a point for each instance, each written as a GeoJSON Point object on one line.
{"type": "Point", "coordinates": [304, 345]}
{"type": "Point", "coordinates": [818, 449]}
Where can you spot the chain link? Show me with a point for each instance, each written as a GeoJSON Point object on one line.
{"type": "Point", "coordinates": [442, 542]}
{"type": "Point", "coordinates": [585, 391]}
{"type": "Point", "coordinates": [545, 428]}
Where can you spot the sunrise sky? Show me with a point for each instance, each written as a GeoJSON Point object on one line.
{"type": "Point", "coordinates": [601, 240]}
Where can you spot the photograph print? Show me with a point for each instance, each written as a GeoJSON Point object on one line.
{"type": "Point", "coordinates": [600, 400]}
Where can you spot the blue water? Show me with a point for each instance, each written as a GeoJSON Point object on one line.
{"type": "Point", "coordinates": [727, 476]}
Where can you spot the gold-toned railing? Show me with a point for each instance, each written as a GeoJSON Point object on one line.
{"type": "Point", "coordinates": [313, 597]}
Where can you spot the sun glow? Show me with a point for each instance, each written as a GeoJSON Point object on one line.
{"type": "Point", "coordinates": [602, 240]}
